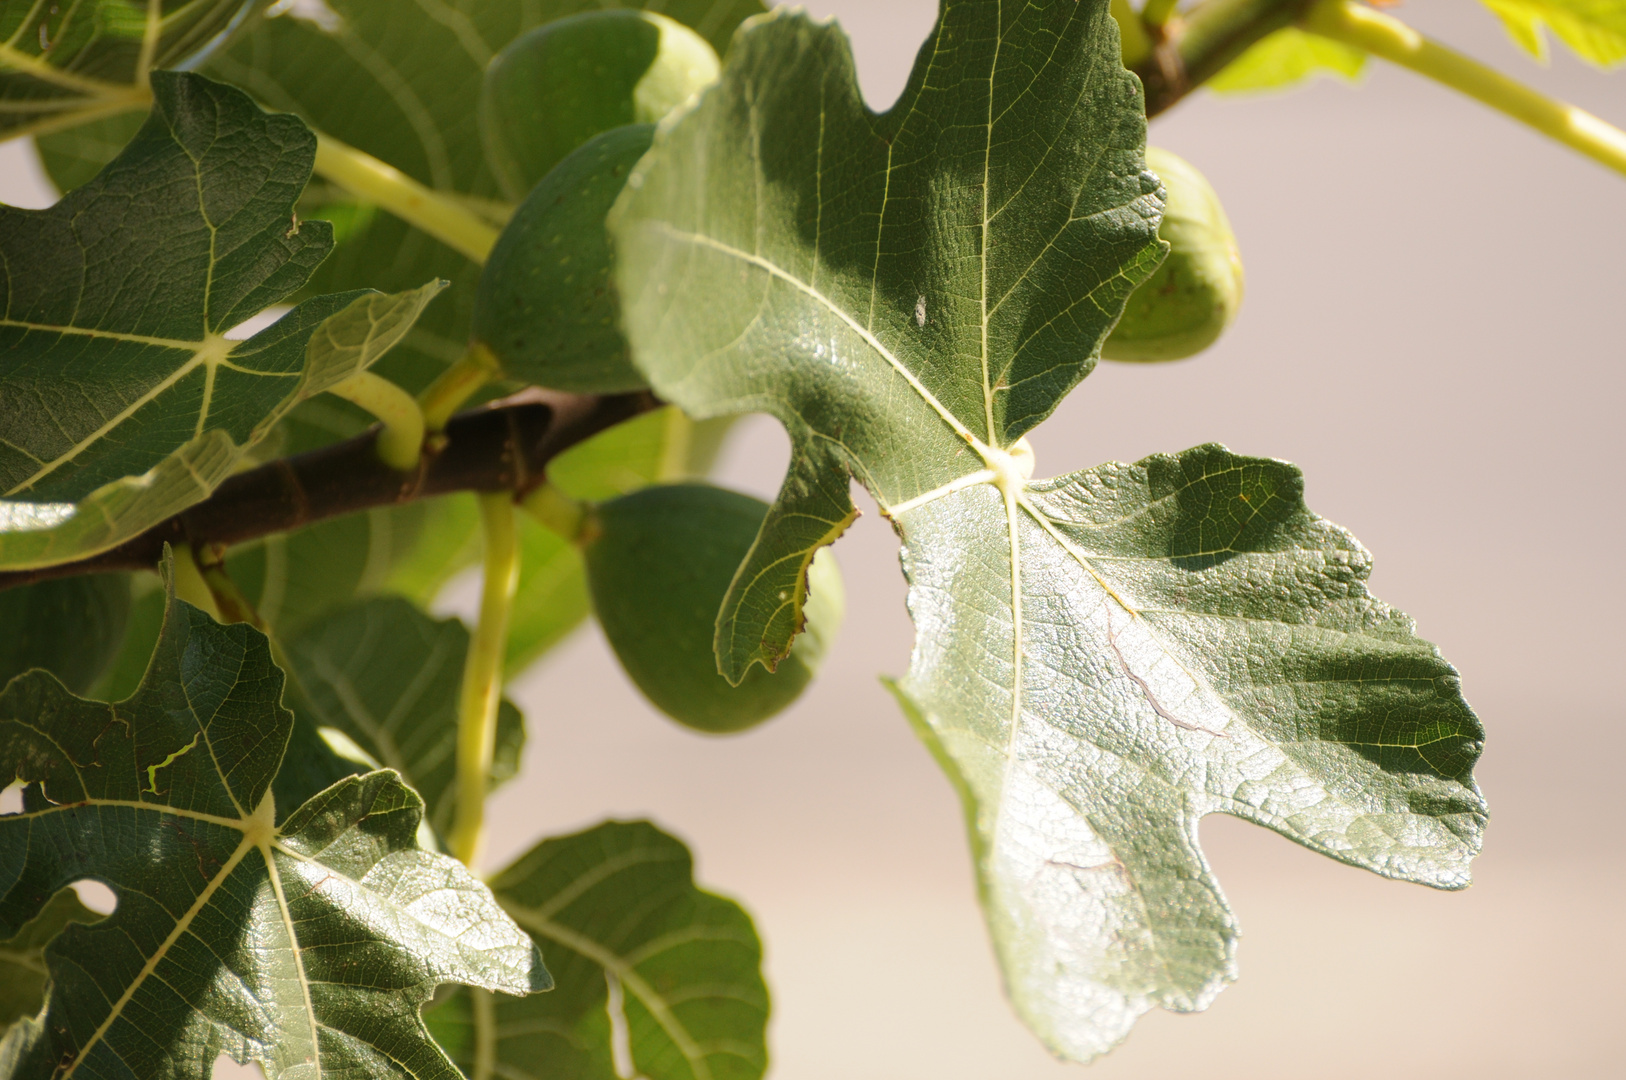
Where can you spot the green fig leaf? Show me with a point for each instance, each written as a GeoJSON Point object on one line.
{"type": "Point", "coordinates": [1595, 29]}
{"type": "Point", "coordinates": [294, 578]}
{"type": "Point", "coordinates": [123, 673]}
{"type": "Point", "coordinates": [387, 676]}
{"type": "Point", "coordinates": [402, 83]}
{"type": "Point", "coordinates": [117, 302]}
{"type": "Point", "coordinates": [232, 934]}
{"type": "Point", "coordinates": [1101, 658]}
{"type": "Point", "coordinates": [72, 627]}
{"type": "Point", "coordinates": [1286, 57]}
{"type": "Point", "coordinates": [22, 956]}
{"type": "Point", "coordinates": [64, 64]}
{"type": "Point", "coordinates": [640, 956]}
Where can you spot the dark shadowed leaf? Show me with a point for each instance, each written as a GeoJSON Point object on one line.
{"type": "Point", "coordinates": [387, 676]}
{"type": "Point", "coordinates": [654, 977]}
{"type": "Point", "coordinates": [22, 956]}
{"type": "Point", "coordinates": [72, 627]}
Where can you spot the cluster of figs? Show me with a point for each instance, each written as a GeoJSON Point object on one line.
{"type": "Point", "coordinates": [566, 112]}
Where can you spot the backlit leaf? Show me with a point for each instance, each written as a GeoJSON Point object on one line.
{"type": "Point", "coordinates": [1101, 658]}
{"type": "Point", "coordinates": [1286, 57]}
{"type": "Point", "coordinates": [65, 62]}
{"type": "Point", "coordinates": [1595, 29]}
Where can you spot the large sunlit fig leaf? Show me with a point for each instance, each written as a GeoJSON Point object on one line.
{"type": "Point", "coordinates": [1595, 29]}
{"type": "Point", "coordinates": [1102, 658]}
{"type": "Point", "coordinates": [308, 946]}
{"type": "Point", "coordinates": [68, 62]}
{"type": "Point", "coordinates": [119, 390]}
{"type": "Point", "coordinates": [387, 677]}
{"type": "Point", "coordinates": [654, 977]}
{"type": "Point", "coordinates": [401, 81]}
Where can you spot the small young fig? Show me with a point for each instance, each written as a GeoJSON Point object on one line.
{"type": "Point", "coordinates": [544, 306]}
{"type": "Point", "coordinates": [552, 89]}
{"type": "Point", "coordinates": [1193, 296]}
{"type": "Point", "coordinates": [659, 563]}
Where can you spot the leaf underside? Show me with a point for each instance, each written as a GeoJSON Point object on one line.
{"type": "Point", "coordinates": [308, 947]}
{"type": "Point", "coordinates": [1104, 657]}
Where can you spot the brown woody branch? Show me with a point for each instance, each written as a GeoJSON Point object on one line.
{"type": "Point", "coordinates": [505, 446]}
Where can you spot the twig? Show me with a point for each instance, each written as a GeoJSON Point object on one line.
{"type": "Point", "coordinates": [505, 446]}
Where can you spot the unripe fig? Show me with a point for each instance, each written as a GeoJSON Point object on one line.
{"type": "Point", "coordinates": [1189, 300]}
{"type": "Point", "coordinates": [659, 563]}
{"type": "Point", "coordinates": [552, 89]}
{"type": "Point", "coordinates": [544, 307]}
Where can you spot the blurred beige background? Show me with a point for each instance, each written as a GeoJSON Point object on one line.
{"type": "Point", "coordinates": [1435, 330]}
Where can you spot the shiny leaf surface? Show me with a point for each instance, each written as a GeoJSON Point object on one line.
{"type": "Point", "coordinates": [1101, 658]}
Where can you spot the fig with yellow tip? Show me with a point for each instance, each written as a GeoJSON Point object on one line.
{"type": "Point", "coordinates": [659, 563]}
{"type": "Point", "coordinates": [1192, 297]}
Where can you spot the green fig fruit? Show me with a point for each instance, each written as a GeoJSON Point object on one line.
{"type": "Point", "coordinates": [659, 563]}
{"type": "Point", "coordinates": [1185, 305]}
{"type": "Point", "coordinates": [552, 89]}
{"type": "Point", "coordinates": [544, 306]}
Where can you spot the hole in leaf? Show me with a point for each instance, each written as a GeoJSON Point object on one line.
{"type": "Point", "coordinates": [96, 896]}
{"type": "Point", "coordinates": [11, 798]}
{"type": "Point", "coordinates": [251, 326]}
{"type": "Point", "coordinates": [227, 1069]}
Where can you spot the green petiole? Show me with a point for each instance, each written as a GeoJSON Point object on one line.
{"type": "Point", "coordinates": [400, 444]}
{"type": "Point", "coordinates": [1389, 38]}
{"type": "Point", "coordinates": [377, 182]}
{"type": "Point", "coordinates": [457, 384]}
{"type": "Point", "coordinates": [482, 675]}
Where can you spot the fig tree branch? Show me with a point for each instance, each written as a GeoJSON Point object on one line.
{"type": "Point", "coordinates": [1192, 47]}
{"type": "Point", "coordinates": [1385, 36]}
{"type": "Point", "coordinates": [505, 446]}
